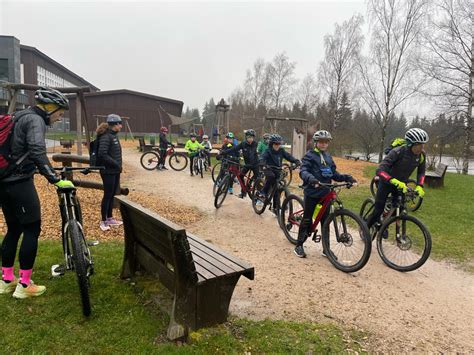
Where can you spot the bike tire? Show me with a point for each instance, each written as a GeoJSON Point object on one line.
{"type": "Point", "coordinates": [291, 215]}
{"type": "Point", "coordinates": [367, 208]}
{"type": "Point", "coordinates": [384, 241]}
{"type": "Point", "coordinates": [215, 171]}
{"type": "Point", "coordinates": [259, 208]}
{"type": "Point", "coordinates": [222, 190]}
{"type": "Point", "coordinates": [337, 251]}
{"type": "Point", "coordinates": [289, 176]}
{"type": "Point", "coordinates": [413, 200]}
{"type": "Point", "coordinates": [201, 168]}
{"type": "Point", "coordinates": [374, 185]}
{"type": "Point", "coordinates": [178, 161]}
{"type": "Point", "coordinates": [79, 253]}
{"type": "Point", "coordinates": [149, 160]}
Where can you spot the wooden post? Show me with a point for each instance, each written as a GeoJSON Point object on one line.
{"type": "Point", "coordinates": [78, 126]}
{"type": "Point", "coordinates": [13, 94]}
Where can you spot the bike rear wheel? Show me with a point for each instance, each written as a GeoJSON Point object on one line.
{"type": "Point", "coordinates": [178, 161]}
{"type": "Point", "coordinates": [404, 243]}
{"type": "Point", "coordinates": [82, 263]}
{"type": "Point", "coordinates": [412, 199]}
{"type": "Point", "coordinates": [215, 171]}
{"type": "Point", "coordinates": [149, 160]}
{"type": "Point", "coordinates": [346, 240]}
{"type": "Point", "coordinates": [291, 216]}
{"type": "Point", "coordinates": [221, 192]}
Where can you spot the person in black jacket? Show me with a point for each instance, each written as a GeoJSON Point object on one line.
{"type": "Point", "coordinates": [272, 159]}
{"type": "Point", "coordinates": [317, 167]}
{"type": "Point", "coordinates": [163, 147]}
{"type": "Point", "coordinates": [249, 152]}
{"type": "Point", "coordinates": [396, 168]}
{"type": "Point", "coordinates": [18, 196]}
{"type": "Point", "coordinates": [109, 154]}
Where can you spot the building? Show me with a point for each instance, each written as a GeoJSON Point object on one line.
{"type": "Point", "coordinates": [28, 65]}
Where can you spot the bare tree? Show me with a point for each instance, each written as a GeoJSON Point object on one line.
{"type": "Point", "coordinates": [281, 79]}
{"type": "Point", "coordinates": [388, 73]}
{"type": "Point", "coordinates": [307, 93]}
{"type": "Point", "coordinates": [255, 84]}
{"type": "Point", "coordinates": [337, 69]}
{"type": "Point", "coordinates": [449, 62]}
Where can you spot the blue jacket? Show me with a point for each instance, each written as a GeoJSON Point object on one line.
{"type": "Point", "coordinates": [275, 158]}
{"type": "Point", "coordinates": [319, 166]}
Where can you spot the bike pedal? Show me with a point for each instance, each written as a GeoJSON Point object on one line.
{"type": "Point", "coordinates": [316, 238]}
{"type": "Point", "coordinates": [58, 270]}
{"type": "Point", "coordinates": [92, 243]}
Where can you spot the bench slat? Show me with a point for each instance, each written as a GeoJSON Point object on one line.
{"type": "Point", "coordinates": [213, 266]}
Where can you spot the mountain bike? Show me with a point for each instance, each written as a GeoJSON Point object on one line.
{"type": "Point", "coordinates": [403, 241]}
{"type": "Point", "coordinates": [232, 174]}
{"type": "Point", "coordinates": [260, 202]}
{"type": "Point", "coordinates": [413, 200]}
{"type": "Point", "coordinates": [76, 250]}
{"type": "Point", "coordinates": [344, 235]}
{"type": "Point", "coordinates": [177, 161]}
{"type": "Point", "coordinates": [200, 163]}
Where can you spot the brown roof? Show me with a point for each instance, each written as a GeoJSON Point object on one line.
{"type": "Point", "coordinates": [131, 92]}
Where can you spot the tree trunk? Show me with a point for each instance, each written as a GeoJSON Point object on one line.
{"type": "Point", "coordinates": [468, 128]}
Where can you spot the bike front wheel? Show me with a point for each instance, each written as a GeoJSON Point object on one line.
{"type": "Point", "coordinates": [291, 216]}
{"type": "Point", "coordinates": [221, 192]}
{"type": "Point", "coordinates": [216, 169]}
{"type": "Point", "coordinates": [289, 174]}
{"type": "Point", "coordinates": [259, 201]}
{"type": "Point", "coordinates": [404, 243]}
{"type": "Point", "coordinates": [82, 263]}
{"type": "Point", "coordinates": [178, 161]}
{"type": "Point", "coordinates": [149, 160]}
{"type": "Point", "coordinates": [346, 240]}
{"type": "Point", "coordinates": [201, 168]}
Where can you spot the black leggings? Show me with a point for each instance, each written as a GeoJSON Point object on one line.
{"type": "Point", "coordinates": [162, 154]}
{"type": "Point", "coordinates": [309, 206]}
{"type": "Point", "coordinates": [383, 191]}
{"type": "Point", "coordinates": [111, 184]}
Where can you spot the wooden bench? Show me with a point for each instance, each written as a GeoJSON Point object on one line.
{"type": "Point", "coordinates": [143, 147]}
{"type": "Point", "coordinates": [436, 178]}
{"type": "Point", "coordinates": [348, 156]}
{"type": "Point", "coordinates": [66, 143]}
{"type": "Point", "coordinates": [201, 276]}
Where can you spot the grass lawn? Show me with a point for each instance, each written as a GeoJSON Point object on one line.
{"type": "Point", "coordinates": [124, 319]}
{"type": "Point", "coordinates": [447, 212]}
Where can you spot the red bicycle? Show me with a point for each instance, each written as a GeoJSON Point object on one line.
{"type": "Point", "coordinates": [178, 161]}
{"type": "Point", "coordinates": [228, 177]}
{"type": "Point", "coordinates": [345, 236]}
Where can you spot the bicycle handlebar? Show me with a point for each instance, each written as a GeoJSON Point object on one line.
{"type": "Point", "coordinates": [331, 186]}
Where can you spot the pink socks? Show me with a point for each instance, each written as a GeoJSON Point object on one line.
{"type": "Point", "coordinates": [8, 273]}
{"type": "Point", "coordinates": [25, 276]}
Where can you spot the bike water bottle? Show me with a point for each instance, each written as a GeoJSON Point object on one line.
{"type": "Point", "coordinates": [316, 210]}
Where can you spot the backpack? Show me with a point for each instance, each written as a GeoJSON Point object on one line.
{"type": "Point", "coordinates": [7, 166]}
{"type": "Point", "coordinates": [93, 150]}
{"type": "Point", "coordinates": [398, 142]}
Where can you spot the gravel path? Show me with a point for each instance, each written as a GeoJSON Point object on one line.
{"type": "Point", "coordinates": [428, 310]}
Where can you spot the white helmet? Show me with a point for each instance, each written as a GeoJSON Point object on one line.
{"type": "Point", "coordinates": [416, 136]}
{"type": "Point", "coordinates": [321, 135]}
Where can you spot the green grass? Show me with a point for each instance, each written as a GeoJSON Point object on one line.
{"type": "Point", "coordinates": [447, 212]}
{"type": "Point", "coordinates": [125, 319]}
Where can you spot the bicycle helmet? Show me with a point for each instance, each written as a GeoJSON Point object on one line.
{"type": "Point", "coordinates": [416, 136]}
{"type": "Point", "coordinates": [164, 129]}
{"type": "Point", "coordinates": [193, 135]}
{"type": "Point", "coordinates": [230, 135]}
{"type": "Point", "coordinates": [205, 136]}
{"type": "Point", "coordinates": [250, 133]}
{"type": "Point", "coordinates": [275, 138]}
{"type": "Point", "coordinates": [51, 96]}
{"type": "Point", "coordinates": [114, 119]}
{"type": "Point", "coordinates": [321, 135]}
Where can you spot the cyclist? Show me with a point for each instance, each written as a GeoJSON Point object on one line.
{"type": "Point", "coordinates": [192, 147]}
{"type": "Point", "coordinates": [249, 152]}
{"type": "Point", "coordinates": [317, 167]}
{"type": "Point", "coordinates": [396, 168]}
{"type": "Point", "coordinates": [207, 148]}
{"type": "Point", "coordinates": [233, 155]}
{"type": "Point", "coordinates": [109, 154]}
{"type": "Point", "coordinates": [18, 196]}
{"type": "Point", "coordinates": [272, 158]}
{"type": "Point", "coordinates": [163, 147]}
{"type": "Point", "coordinates": [263, 144]}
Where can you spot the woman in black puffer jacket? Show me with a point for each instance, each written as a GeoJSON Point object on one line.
{"type": "Point", "coordinates": [109, 154]}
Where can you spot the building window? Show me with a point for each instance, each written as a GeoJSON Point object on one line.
{"type": "Point", "coordinates": [4, 69]}
{"type": "Point", "coordinates": [47, 78]}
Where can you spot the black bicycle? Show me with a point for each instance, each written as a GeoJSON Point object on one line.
{"type": "Point", "coordinates": [413, 200]}
{"type": "Point", "coordinates": [76, 250]}
{"type": "Point", "coordinates": [403, 241]}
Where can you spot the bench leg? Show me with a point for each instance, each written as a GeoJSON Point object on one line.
{"type": "Point", "coordinates": [176, 331]}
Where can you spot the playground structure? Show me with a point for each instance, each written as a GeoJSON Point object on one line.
{"type": "Point", "coordinates": [298, 134]}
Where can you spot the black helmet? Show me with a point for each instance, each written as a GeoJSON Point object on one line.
{"type": "Point", "coordinates": [321, 135]}
{"type": "Point", "coordinates": [416, 136]}
{"type": "Point", "coordinates": [275, 138]}
{"type": "Point", "coordinates": [113, 119]}
{"type": "Point", "coordinates": [51, 96]}
{"type": "Point", "coordinates": [192, 135]}
{"type": "Point", "coordinates": [250, 133]}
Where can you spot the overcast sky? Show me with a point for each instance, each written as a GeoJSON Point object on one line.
{"type": "Point", "coordinates": [190, 51]}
